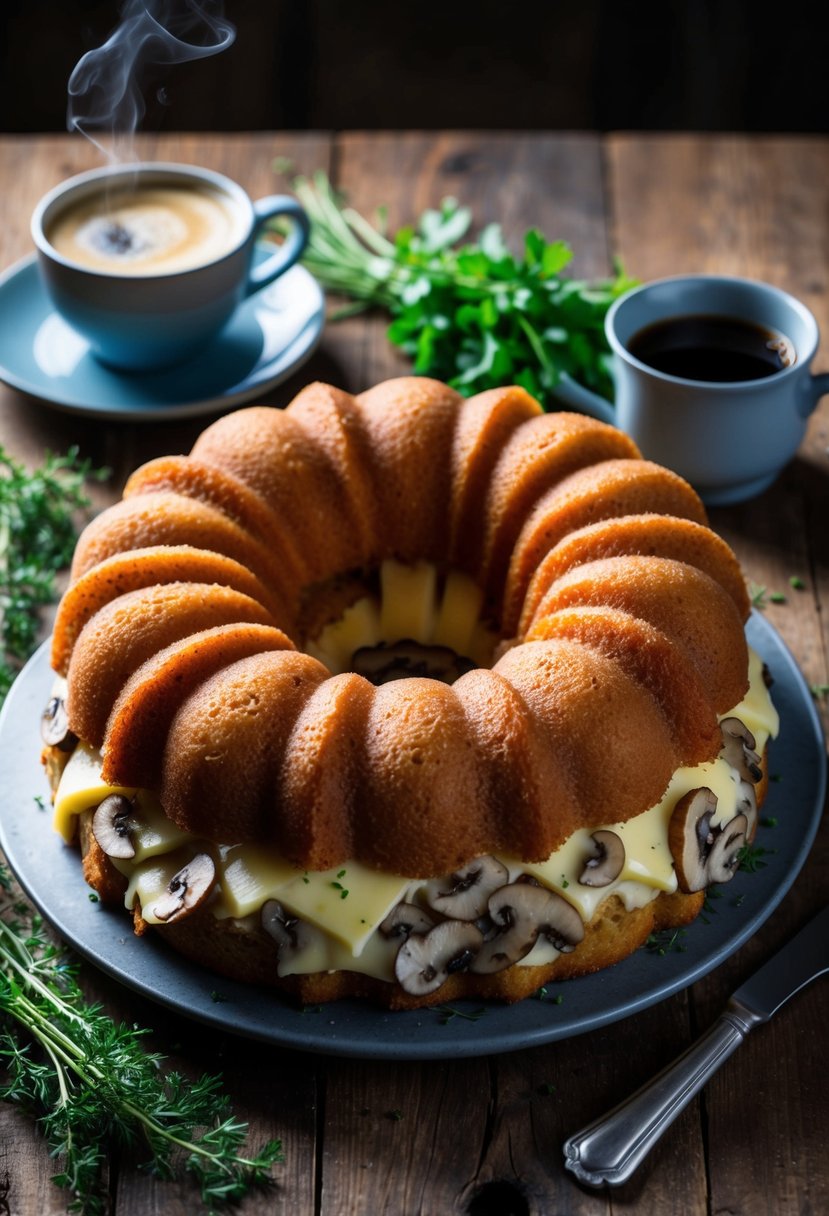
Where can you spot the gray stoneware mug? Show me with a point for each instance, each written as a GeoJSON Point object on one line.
{"type": "Point", "coordinates": [730, 439]}
{"type": "Point", "coordinates": [140, 319]}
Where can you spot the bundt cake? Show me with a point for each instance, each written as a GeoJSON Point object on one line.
{"type": "Point", "coordinates": [406, 696]}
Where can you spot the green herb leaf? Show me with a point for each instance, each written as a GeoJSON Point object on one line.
{"type": "Point", "coordinates": [37, 536]}
{"type": "Point", "coordinates": [91, 1083]}
{"type": "Point", "coordinates": [474, 314]}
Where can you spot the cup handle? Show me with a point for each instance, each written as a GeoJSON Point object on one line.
{"type": "Point", "coordinates": [290, 250]}
{"type": "Point", "coordinates": [818, 387]}
{"type": "Point", "coordinates": [571, 393]}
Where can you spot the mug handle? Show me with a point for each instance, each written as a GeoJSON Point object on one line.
{"type": "Point", "coordinates": [569, 392]}
{"type": "Point", "coordinates": [292, 248]}
{"type": "Point", "coordinates": [818, 387]}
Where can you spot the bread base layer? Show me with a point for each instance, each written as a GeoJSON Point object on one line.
{"type": "Point", "coordinates": [249, 955]}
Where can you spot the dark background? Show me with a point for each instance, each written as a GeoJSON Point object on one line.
{"type": "Point", "coordinates": [584, 65]}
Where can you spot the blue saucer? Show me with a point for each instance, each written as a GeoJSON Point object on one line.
{"type": "Point", "coordinates": [271, 334]}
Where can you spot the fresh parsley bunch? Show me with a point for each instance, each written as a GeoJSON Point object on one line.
{"type": "Point", "coordinates": [474, 315]}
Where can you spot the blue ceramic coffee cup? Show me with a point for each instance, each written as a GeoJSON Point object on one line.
{"type": "Point", "coordinates": [139, 316]}
{"type": "Point", "coordinates": [729, 438]}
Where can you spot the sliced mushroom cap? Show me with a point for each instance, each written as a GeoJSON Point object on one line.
{"type": "Point", "coordinates": [724, 859]}
{"type": "Point", "coordinates": [464, 894]}
{"type": "Point", "coordinates": [405, 919]}
{"type": "Point", "coordinates": [521, 912]}
{"type": "Point", "coordinates": [690, 838]}
{"type": "Point", "coordinates": [703, 854]}
{"type": "Point", "coordinates": [426, 960]}
{"type": "Point", "coordinates": [186, 890]}
{"type": "Point", "coordinates": [605, 862]}
{"type": "Point", "coordinates": [291, 934]}
{"type": "Point", "coordinates": [54, 726]}
{"type": "Point", "coordinates": [402, 660]}
{"type": "Point", "coordinates": [738, 749]}
{"type": "Point", "coordinates": [113, 824]}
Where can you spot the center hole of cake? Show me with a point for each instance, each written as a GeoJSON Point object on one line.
{"type": "Point", "coordinates": [408, 619]}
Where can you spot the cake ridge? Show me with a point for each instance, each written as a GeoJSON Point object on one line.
{"type": "Point", "coordinates": [602, 619]}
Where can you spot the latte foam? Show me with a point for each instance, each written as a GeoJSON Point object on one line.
{"type": "Point", "coordinates": [148, 231]}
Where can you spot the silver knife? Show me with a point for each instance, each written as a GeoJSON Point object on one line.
{"type": "Point", "coordinates": [608, 1150]}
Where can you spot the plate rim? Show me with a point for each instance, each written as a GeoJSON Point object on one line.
{"type": "Point", "coordinates": [305, 342]}
{"type": "Point", "coordinates": [362, 1031]}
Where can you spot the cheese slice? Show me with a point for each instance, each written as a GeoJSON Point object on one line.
{"type": "Point", "coordinates": [358, 626]}
{"type": "Point", "coordinates": [348, 902]}
{"type": "Point", "coordinates": [756, 709]}
{"type": "Point", "coordinates": [81, 787]}
{"type": "Point", "coordinates": [407, 608]}
{"type": "Point", "coordinates": [458, 613]}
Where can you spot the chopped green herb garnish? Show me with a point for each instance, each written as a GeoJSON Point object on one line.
{"type": "Point", "coordinates": [770, 821]}
{"type": "Point", "coordinates": [666, 941]}
{"type": "Point", "coordinates": [797, 583]}
{"type": "Point", "coordinates": [751, 857]}
{"type": "Point", "coordinates": [777, 597]}
{"type": "Point", "coordinates": [338, 886]}
{"type": "Point", "coordinates": [395, 1115]}
{"type": "Point", "coordinates": [757, 594]}
{"type": "Point", "coordinates": [448, 1012]}
{"type": "Point", "coordinates": [819, 690]}
{"type": "Point", "coordinates": [564, 883]}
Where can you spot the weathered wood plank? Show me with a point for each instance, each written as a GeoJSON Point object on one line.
{"type": "Point", "coordinates": [755, 208]}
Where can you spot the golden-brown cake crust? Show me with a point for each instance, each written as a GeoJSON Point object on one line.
{"type": "Point", "coordinates": [619, 617]}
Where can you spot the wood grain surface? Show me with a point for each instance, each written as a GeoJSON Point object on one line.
{"type": "Point", "coordinates": [483, 1137]}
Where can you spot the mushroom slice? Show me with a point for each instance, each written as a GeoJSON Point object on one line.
{"type": "Point", "coordinates": [406, 919]}
{"type": "Point", "coordinates": [690, 838]}
{"type": "Point", "coordinates": [292, 935]}
{"type": "Point", "coordinates": [704, 854]}
{"type": "Point", "coordinates": [186, 890]}
{"type": "Point", "coordinates": [426, 960]}
{"type": "Point", "coordinates": [463, 895]}
{"type": "Point", "coordinates": [724, 859]}
{"type": "Point", "coordinates": [739, 749]}
{"type": "Point", "coordinates": [401, 660]}
{"type": "Point", "coordinates": [54, 726]}
{"type": "Point", "coordinates": [605, 862]}
{"type": "Point", "coordinates": [521, 912]}
{"type": "Point", "coordinates": [113, 824]}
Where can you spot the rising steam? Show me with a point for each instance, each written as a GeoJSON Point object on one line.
{"type": "Point", "coordinates": [105, 97]}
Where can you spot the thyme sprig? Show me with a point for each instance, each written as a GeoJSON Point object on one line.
{"type": "Point", "coordinates": [38, 531]}
{"type": "Point", "coordinates": [92, 1085]}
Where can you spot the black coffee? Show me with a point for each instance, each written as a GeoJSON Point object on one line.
{"type": "Point", "coordinates": [712, 348]}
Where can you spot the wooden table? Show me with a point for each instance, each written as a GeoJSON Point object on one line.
{"type": "Point", "coordinates": [484, 1136]}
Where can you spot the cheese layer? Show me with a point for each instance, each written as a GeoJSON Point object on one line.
{"type": "Point", "coordinates": [345, 906]}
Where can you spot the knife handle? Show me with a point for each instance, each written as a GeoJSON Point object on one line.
{"type": "Point", "coordinates": [610, 1149]}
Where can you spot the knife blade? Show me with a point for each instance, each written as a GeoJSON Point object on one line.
{"type": "Point", "coordinates": [611, 1148]}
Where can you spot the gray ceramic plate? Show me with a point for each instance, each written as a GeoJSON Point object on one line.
{"type": "Point", "coordinates": [50, 873]}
